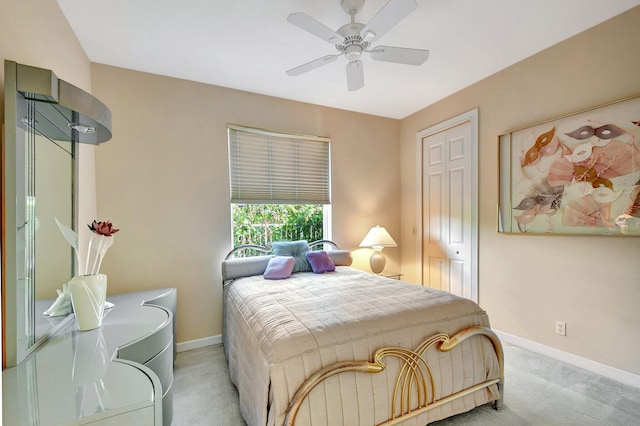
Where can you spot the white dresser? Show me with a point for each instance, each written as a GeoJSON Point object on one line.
{"type": "Point", "coordinates": [118, 374]}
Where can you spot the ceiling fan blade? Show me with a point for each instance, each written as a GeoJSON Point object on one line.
{"type": "Point", "coordinates": [400, 55]}
{"type": "Point", "coordinates": [392, 13]}
{"type": "Point", "coordinates": [314, 27]}
{"type": "Point", "coordinates": [312, 65]}
{"type": "Point", "coordinates": [355, 75]}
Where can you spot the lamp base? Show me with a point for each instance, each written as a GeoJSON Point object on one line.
{"type": "Point", "coordinates": [377, 261]}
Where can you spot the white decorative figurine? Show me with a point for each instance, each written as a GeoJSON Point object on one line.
{"type": "Point", "coordinates": [62, 305]}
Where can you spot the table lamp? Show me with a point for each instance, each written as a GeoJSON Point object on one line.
{"type": "Point", "coordinates": [378, 238]}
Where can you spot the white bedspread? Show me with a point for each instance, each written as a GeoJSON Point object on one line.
{"type": "Point", "coordinates": [277, 333]}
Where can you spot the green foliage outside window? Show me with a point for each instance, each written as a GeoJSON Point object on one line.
{"type": "Point", "coordinates": [263, 223]}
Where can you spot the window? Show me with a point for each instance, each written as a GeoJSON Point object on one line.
{"type": "Point", "coordinates": [263, 223]}
{"type": "Point", "coordinates": [280, 186]}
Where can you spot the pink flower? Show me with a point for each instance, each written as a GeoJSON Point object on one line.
{"type": "Point", "coordinates": [103, 228]}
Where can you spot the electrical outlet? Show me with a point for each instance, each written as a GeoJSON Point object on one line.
{"type": "Point", "coordinates": [561, 328]}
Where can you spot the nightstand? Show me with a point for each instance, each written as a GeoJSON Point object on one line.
{"type": "Point", "coordinates": [393, 275]}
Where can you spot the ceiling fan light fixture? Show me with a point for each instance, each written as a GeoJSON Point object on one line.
{"type": "Point", "coordinates": [353, 52]}
{"type": "Point", "coordinates": [368, 35]}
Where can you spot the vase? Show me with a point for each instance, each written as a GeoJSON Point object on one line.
{"type": "Point", "coordinates": [88, 294]}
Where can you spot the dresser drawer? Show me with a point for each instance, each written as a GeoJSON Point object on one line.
{"type": "Point", "coordinates": [148, 347]}
{"type": "Point", "coordinates": [162, 365]}
{"type": "Point", "coordinates": [169, 301]}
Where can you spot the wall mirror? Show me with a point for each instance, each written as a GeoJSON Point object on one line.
{"type": "Point", "coordinates": [45, 118]}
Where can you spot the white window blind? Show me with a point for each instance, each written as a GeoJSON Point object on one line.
{"type": "Point", "coordinates": [268, 167]}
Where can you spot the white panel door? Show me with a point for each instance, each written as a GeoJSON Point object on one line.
{"type": "Point", "coordinates": [448, 215]}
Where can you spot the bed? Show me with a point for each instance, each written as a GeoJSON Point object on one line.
{"type": "Point", "coordinates": [350, 347]}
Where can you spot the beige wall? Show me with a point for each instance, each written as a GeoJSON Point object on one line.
{"type": "Point", "coordinates": [164, 180]}
{"type": "Point", "coordinates": [526, 283]}
{"type": "Point", "coordinates": [35, 32]}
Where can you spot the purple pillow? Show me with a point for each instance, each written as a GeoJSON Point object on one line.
{"type": "Point", "coordinates": [279, 267]}
{"type": "Point", "coordinates": [320, 262]}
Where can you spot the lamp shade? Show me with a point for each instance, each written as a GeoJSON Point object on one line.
{"type": "Point", "coordinates": [378, 237]}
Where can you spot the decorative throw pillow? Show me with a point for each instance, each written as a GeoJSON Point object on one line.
{"type": "Point", "coordinates": [279, 267]}
{"type": "Point", "coordinates": [320, 262]}
{"type": "Point", "coordinates": [296, 249]}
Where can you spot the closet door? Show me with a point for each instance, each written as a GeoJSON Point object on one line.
{"type": "Point", "coordinates": [449, 210]}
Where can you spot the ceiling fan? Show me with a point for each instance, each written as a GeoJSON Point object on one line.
{"type": "Point", "coordinates": [354, 38]}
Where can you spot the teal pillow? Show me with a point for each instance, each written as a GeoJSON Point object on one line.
{"type": "Point", "coordinates": [295, 249]}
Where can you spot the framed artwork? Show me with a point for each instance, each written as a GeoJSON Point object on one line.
{"type": "Point", "coordinates": [578, 174]}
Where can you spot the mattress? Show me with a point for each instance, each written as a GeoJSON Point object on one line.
{"type": "Point", "coordinates": [279, 332]}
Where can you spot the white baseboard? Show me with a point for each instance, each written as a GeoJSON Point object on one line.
{"type": "Point", "coordinates": [199, 343]}
{"type": "Point", "coordinates": [593, 366]}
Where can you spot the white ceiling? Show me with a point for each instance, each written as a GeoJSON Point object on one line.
{"type": "Point", "coordinates": [248, 44]}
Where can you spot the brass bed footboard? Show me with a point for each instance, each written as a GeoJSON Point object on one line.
{"type": "Point", "coordinates": [414, 391]}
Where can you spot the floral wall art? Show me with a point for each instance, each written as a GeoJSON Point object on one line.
{"type": "Point", "coordinates": [578, 174]}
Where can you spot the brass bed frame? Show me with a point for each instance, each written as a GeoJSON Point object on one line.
{"type": "Point", "coordinates": [414, 380]}
{"type": "Point", "coordinates": [415, 390]}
